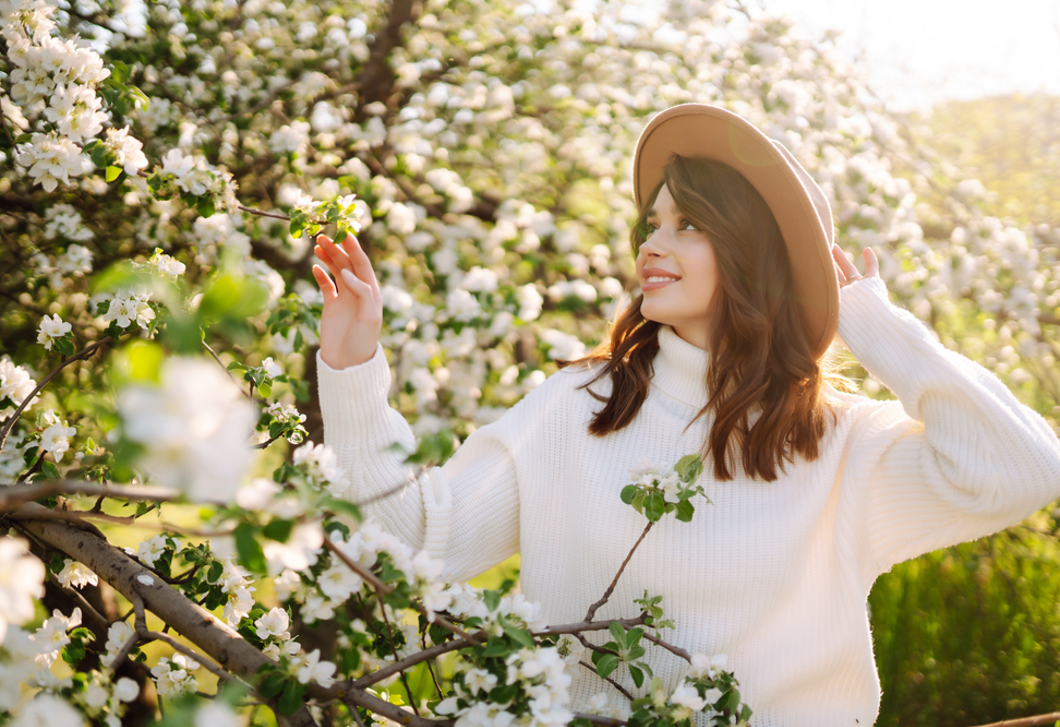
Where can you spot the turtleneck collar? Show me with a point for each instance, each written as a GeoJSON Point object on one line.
{"type": "Point", "coordinates": [681, 369]}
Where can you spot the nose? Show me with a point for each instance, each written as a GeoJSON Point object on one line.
{"type": "Point", "coordinates": [657, 245]}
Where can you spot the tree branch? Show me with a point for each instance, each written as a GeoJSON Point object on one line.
{"type": "Point", "coordinates": [611, 588]}
{"type": "Point", "coordinates": [377, 79]}
{"type": "Point", "coordinates": [11, 498]}
{"type": "Point", "coordinates": [609, 680]}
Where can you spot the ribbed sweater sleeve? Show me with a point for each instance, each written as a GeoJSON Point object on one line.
{"type": "Point", "coordinates": [466, 513]}
{"type": "Point", "coordinates": [957, 457]}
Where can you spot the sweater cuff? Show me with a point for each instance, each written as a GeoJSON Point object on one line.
{"type": "Point", "coordinates": [353, 401]}
{"type": "Point", "coordinates": [891, 343]}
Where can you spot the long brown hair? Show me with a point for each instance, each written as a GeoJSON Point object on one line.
{"type": "Point", "coordinates": [760, 356]}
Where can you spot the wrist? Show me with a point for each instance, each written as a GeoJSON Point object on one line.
{"type": "Point", "coordinates": [340, 360]}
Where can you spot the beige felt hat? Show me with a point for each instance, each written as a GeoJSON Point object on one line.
{"type": "Point", "coordinates": [797, 203]}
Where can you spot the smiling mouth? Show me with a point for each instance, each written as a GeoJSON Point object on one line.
{"type": "Point", "coordinates": [655, 282]}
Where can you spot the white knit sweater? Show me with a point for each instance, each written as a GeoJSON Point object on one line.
{"type": "Point", "coordinates": [774, 575]}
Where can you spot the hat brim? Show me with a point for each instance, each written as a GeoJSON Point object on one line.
{"type": "Point", "coordinates": [797, 203]}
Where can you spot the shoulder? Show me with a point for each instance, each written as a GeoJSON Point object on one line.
{"type": "Point", "coordinates": [567, 385]}
{"type": "Point", "coordinates": [857, 415]}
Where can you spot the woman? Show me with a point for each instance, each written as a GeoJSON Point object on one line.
{"type": "Point", "coordinates": [814, 492]}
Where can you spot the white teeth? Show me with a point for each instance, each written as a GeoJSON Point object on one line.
{"type": "Point", "coordinates": [660, 279]}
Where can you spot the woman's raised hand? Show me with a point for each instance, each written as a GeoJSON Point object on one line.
{"type": "Point", "coordinates": [353, 306]}
{"type": "Point", "coordinates": [845, 270]}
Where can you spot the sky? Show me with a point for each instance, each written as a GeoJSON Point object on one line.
{"type": "Point", "coordinates": [920, 52]}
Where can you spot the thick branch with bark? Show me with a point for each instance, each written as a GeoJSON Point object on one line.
{"type": "Point", "coordinates": [213, 636]}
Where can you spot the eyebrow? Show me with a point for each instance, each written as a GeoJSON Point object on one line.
{"type": "Point", "coordinates": [654, 212]}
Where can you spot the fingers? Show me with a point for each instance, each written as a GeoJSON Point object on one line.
{"type": "Point", "coordinates": [872, 264]}
{"type": "Point", "coordinates": [327, 286]}
{"type": "Point", "coordinates": [350, 257]}
{"type": "Point", "coordinates": [356, 286]}
{"type": "Point", "coordinates": [360, 264]}
{"type": "Point", "coordinates": [843, 264]}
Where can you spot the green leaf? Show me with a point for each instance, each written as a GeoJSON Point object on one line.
{"type": "Point", "coordinates": [65, 346]}
{"type": "Point", "coordinates": [619, 634]}
{"type": "Point", "coordinates": [272, 684]}
{"type": "Point", "coordinates": [213, 573]}
{"type": "Point", "coordinates": [689, 467]}
{"type": "Point", "coordinates": [654, 506]}
{"type": "Point", "coordinates": [685, 510]}
{"type": "Point", "coordinates": [206, 206]}
{"type": "Point", "coordinates": [50, 470]}
{"type": "Point", "coordinates": [344, 507]}
{"type": "Point", "coordinates": [607, 664]}
{"type": "Point", "coordinates": [628, 493]}
{"type": "Point", "coordinates": [99, 156]}
{"type": "Point", "coordinates": [278, 530]}
{"type": "Point", "coordinates": [113, 173]}
{"type": "Point", "coordinates": [265, 389]}
{"type": "Point", "coordinates": [291, 699]}
{"type": "Point", "coordinates": [492, 599]}
{"type": "Point", "coordinates": [637, 674]}
{"type": "Point", "coordinates": [520, 637]}
{"type": "Point", "coordinates": [495, 647]}
{"type": "Point", "coordinates": [249, 549]}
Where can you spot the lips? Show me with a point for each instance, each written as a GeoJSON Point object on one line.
{"type": "Point", "coordinates": [656, 278]}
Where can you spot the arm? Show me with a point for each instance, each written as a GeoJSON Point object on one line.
{"type": "Point", "coordinates": [956, 458]}
{"type": "Point", "coordinates": [466, 512]}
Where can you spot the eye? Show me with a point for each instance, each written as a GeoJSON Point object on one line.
{"type": "Point", "coordinates": [687, 225]}
{"type": "Point", "coordinates": [649, 229]}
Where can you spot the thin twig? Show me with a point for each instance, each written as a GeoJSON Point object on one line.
{"type": "Point", "coordinates": [262, 213]}
{"type": "Point", "coordinates": [76, 596]}
{"type": "Point", "coordinates": [383, 588]}
{"type": "Point", "coordinates": [676, 650]}
{"type": "Point", "coordinates": [82, 354]}
{"type": "Point", "coordinates": [611, 588]}
{"type": "Point", "coordinates": [390, 641]}
{"type": "Point", "coordinates": [213, 668]}
{"type": "Point", "coordinates": [83, 516]}
{"type": "Point", "coordinates": [225, 369]}
{"type": "Point", "coordinates": [430, 669]}
{"type": "Point", "coordinates": [593, 647]}
{"type": "Point", "coordinates": [609, 680]}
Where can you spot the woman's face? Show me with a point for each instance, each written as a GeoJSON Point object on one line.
{"type": "Point", "coordinates": [677, 272]}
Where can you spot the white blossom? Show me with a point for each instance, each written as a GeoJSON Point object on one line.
{"type": "Point", "coordinates": [274, 624]}
{"type": "Point", "coordinates": [15, 386]}
{"type": "Point", "coordinates": [312, 669]}
{"type": "Point", "coordinates": [320, 461]}
{"type": "Point", "coordinates": [56, 439]}
{"type": "Point", "coordinates": [563, 346]}
{"type": "Point", "coordinates": [51, 328]}
{"type": "Point", "coordinates": [151, 549]}
{"type": "Point", "coordinates": [47, 710]}
{"type": "Point", "coordinates": [21, 581]}
{"type": "Point", "coordinates": [299, 552]}
{"type": "Point", "coordinates": [174, 677]}
{"type": "Point", "coordinates": [65, 221]}
{"type": "Point", "coordinates": [51, 637]}
{"type": "Point", "coordinates": [216, 714]}
{"type": "Point", "coordinates": [195, 427]}
{"type": "Point", "coordinates": [271, 367]}
{"type": "Point", "coordinates": [128, 149]}
{"type": "Point", "coordinates": [76, 575]}
{"type": "Point", "coordinates": [686, 696]}
{"type": "Point", "coordinates": [76, 259]}
{"type": "Point", "coordinates": [52, 160]}
{"type": "Point", "coordinates": [118, 635]}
